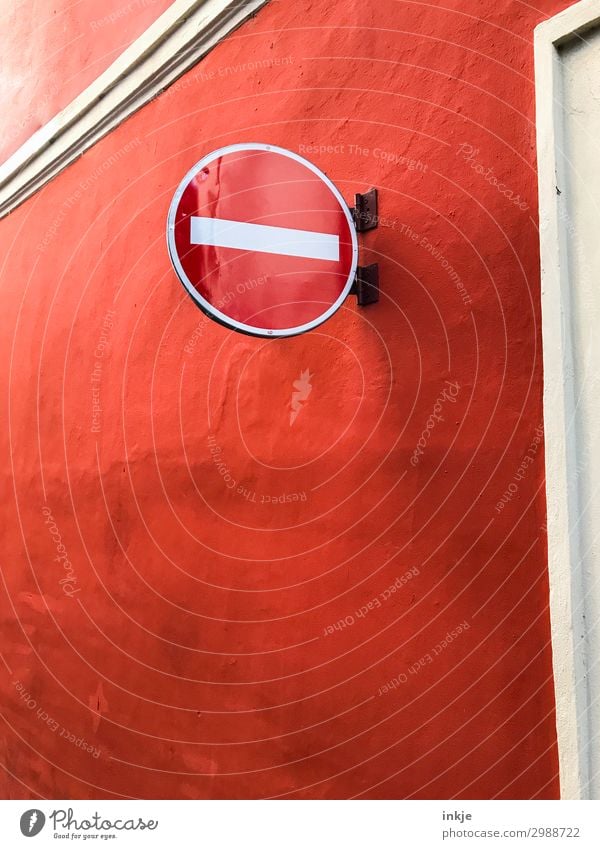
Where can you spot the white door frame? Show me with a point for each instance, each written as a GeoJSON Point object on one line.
{"type": "Point", "coordinates": [567, 588]}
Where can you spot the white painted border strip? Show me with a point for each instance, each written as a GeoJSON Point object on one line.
{"type": "Point", "coordinates": [172, 45]}
{"type": "Point", "coordinates": [243, 236]}
{"type": "Point", "coordinates": [564, 563]}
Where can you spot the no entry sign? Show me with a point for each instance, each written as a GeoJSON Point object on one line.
{"type": "Point", "coordinates": [262, 240]}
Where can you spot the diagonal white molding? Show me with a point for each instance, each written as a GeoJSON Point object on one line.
{"type": "Point", "coordinates": [174, 43]}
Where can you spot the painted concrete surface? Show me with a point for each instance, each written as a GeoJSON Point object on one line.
{"type": "Point", "coordinates": [311, 567]}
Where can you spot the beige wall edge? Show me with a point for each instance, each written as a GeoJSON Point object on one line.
{"type": "Point", "coordinates": [567, 586]}
{"type": "Point", "coordinates": [174, 43]}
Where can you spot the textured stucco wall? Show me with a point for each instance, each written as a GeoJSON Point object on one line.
{"type": "Point", "coordinates": [196, 647]}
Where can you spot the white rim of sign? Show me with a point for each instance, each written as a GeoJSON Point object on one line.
{"type": "Point", "coordinates": [209, 308]}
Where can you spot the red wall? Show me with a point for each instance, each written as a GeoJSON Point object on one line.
{"type": "Point", "coordinates": [191, 644]}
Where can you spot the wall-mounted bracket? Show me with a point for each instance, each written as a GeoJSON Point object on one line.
{"type": "Point", "coordinates": [364, 211]}
{"type": "Point", "coordinates": [366, 284]}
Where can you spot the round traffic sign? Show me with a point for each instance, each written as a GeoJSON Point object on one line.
{"type": "Point", "coordinates": [262, 240]}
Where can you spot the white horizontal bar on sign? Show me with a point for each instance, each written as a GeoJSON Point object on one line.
{"type": "Point", "coordinates": [241, 236]}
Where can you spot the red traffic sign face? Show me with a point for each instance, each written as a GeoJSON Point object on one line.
{"type": "Point", "coordinates": [262, 240]}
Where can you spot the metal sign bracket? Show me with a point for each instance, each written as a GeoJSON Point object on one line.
{"type": "Point", "coordinates": [364, 211]}
{"type": "Point", "coordinates": [365, 216]}
{"type": "Point", "coordinates": [366, 284]}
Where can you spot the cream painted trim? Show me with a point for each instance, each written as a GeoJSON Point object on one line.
{"type": "Point", "coordinates": [171, 46]}
{"type": "Point", "coordinates": [564, 562]}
